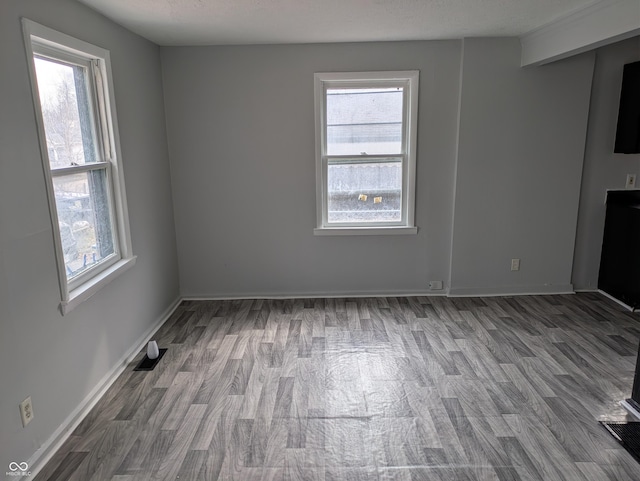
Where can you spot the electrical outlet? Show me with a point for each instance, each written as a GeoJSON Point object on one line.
{"type": "Point", "coordinates": [26, 411]}
{"type": "Point", "coordinates": [435, 285]}
{"type": "Point", "coordinates": [515, 264]}
{"type": "Point", "coordinates": [631, 181]}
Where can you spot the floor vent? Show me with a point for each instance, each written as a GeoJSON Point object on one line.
{"type": "Point", "coordinates": [149, 364]}
{"type": "Point", "coordinates": [627, 434]}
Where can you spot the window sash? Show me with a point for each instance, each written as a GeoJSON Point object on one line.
{"type": "Point", "coordinates": [351, 160]}
{"type": "Point", "coordinates": [100, 110]}
{"type": "Point", "coordinates": [369, 84]}
{"type": "Point", "coordinates": [94, 90]}
{"type": "Point", "coordinates": [75, 281]}
{"type": "Point", "coordinates": [407, 80]}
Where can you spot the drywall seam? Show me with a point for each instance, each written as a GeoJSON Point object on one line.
{"type": "Point", "coordinates": [456, 157]}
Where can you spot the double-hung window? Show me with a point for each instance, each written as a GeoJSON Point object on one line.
{"type": "Point", "coordinates": [366, 126]}
{"type": "Point", "coordinates": [76, 120]}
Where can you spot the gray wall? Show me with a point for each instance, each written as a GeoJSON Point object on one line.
{"type": "Point", "coordinates": [522, 135]}
{"type": "Point", "coordinates": [241, 142]}
{"type": "Point", "coordinates": [240, 127]}
{"type": "Point", "coordinates": [59, 360]}
{"type": "Point", "coordinates": [602, 168]}
{"type": "Point", "coordinates": [505, 144]}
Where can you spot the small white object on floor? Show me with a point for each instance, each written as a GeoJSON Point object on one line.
{"type": "Point", "coordinates": [152, 350]}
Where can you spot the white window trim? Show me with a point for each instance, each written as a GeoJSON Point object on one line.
{"type": "Point", "coordinates": [73, 294]}
{"type": "Point", "coordinates": [340, 79]}
{"type": "Point", "coordinates": [83, 292]}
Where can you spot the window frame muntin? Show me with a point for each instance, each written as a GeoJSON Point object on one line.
{"type": "Point", "coordinates": [75, 292]}
{"type": "Point", "coordinates": [409, 79]}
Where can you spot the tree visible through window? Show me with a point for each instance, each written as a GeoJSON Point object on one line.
{"type": "Point", "coordinates": [79, 174]}
{"type": "Point", "coordinates": [78, 141]}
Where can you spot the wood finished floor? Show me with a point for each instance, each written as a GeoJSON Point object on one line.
{"type": "Point", "coordinates": [405, 389]}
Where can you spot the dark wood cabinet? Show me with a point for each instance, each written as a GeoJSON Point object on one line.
{"type": "Point", "coordinates": [620, 260]}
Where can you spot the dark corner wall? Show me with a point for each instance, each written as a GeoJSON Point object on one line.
{"type": "Point", "coordinates": [602, 168]}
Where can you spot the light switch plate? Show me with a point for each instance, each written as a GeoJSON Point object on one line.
{"type": "Point", "coordinates": [26, 411]}
{"type": "Point", "coordinates": [631, 181]}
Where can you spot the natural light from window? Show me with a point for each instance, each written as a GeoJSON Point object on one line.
{"type": "Point", "coordinates": [365, 162]}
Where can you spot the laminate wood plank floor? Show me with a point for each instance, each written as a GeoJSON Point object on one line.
{"type": "Point", "coordinates": [404, 389]}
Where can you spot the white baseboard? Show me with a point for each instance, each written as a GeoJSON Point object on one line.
{"type": "Point", "coordinates": [630, 409]}
{"type": "Point", "coordinates": [453, 292]}
{"type": "Point", "coordinates": [540, 290]}
{"type": "Point", "coordinates": [312, 295]}
{"type": "Point", "coordinates": [40, 458]}
{"type": "Point", "coordinates": [617, 301]}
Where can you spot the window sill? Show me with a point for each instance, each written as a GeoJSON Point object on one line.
{"type": "Point", "coordinates": [365, 231]}
{"type": "Point", "coordinates": [89, 288]}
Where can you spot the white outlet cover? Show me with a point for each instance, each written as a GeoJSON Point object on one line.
{"type": "Point", "coordinates": [26, 411]}
{"type": "Point", "coordinates": [631, 181]}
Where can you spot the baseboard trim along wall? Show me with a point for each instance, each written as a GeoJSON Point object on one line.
{"type": "Point", "coordinates": [617, 301]}
{"type": "Point", "coordinates": [452, 292]}
{"type": "Point", "coordinates": [42, 456]}
{"type": "Point", "coordinates": [609, 296]}
{"type": "Point", "coordinates": [311, 295]}
{"type": "Point", "coordinates": [539, 290]}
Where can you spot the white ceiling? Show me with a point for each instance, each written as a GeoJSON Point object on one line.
{"type": "Point", "coordinates": [228, 22]}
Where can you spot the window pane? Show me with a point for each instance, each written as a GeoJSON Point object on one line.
{"type": "Point", "coordinates": [66, 113]}
{"type": "Point", "coordinates": [364, 192]}
{"type": "Point", "coordinates": [364, 121]}
{"type": "Point", "coordinates": [83, 208]}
